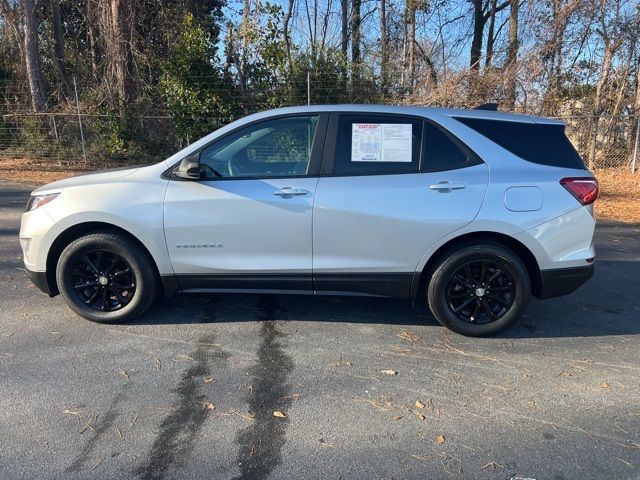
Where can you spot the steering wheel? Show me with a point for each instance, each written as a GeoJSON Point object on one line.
{"type": "Point", "coordinates": [208, 171]}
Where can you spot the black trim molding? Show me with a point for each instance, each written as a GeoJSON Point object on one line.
{"type": "Point", "coordinates": [562, 281]}
{"type": "Point", "coordinates": [40, 280]}
{"type": "Point", "coordinates": [245, 282]}
{"type": "Point", "coordinates": [395, 285]}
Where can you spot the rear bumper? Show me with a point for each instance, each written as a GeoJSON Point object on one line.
{"type": "Point", "coordinates": [39, 279]}
{"type": "Point", "coordinates": [562, 281]}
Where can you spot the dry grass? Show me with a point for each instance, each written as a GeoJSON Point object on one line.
{"type": "Point", "coordinates": [619, 197]}
{"type": "Point", "coordinates": [39, 171]}
{"type": "Point", "coordinates": [619, 189]}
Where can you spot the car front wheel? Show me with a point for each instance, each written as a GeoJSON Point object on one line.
{"type": "Point", "coordinates": [479, 290]}
{"type": "Point", "coordinates": [106, 277]}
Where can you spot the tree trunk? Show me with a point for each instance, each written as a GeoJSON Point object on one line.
{"type": "Point", "coordinates": [412, 46]}
{"type": "Point", "coordinates": [115, 35]}
{"type": "Point", "coordinates": [476, 38]}
{"type": "Point", "coordinates": [344, 16]}
{"type": "Point", "coordinates": [92, 37]}
{"type": "Point", "coordinates": [32, 57]}
{"type": "Point", "coordinates": [512, 56]}
{"type": "Point", "coordinates": [597, 101]}
{"type": "Point", "coordinates": [557, 44]}
{"type": "Point", "coordinates": [635, 124]}
{"type": "Point", "coordinates": [244, 33]}
{"type": "Point", "coordinates": [432, 77]}
{"type": "Point", "coordinates": [355, 42]}
{"type": "Point", "coordinates": [59, 61]}
{"type": "Point", "coordinates": [287, 39]}
{"type": "Point", "coordinates": [490, 34]}
{"type": "Point", "coordinates": [344, 33]}
{"type": "Point", "coordinates": [384, 52]}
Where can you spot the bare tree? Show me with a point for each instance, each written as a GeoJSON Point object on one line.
{"type": "Point", "coordinates": [355, 41]}
{"type": "Point", "coordinates": [287, 37]}
{"type": "Point", "coordinates": [611, 34]}
{"type": "Point", "coordinates": [32, 57]}
{"type": "Point", "coordinates": [384, 46]}
{"type": "Point", "coordinates": [59, 60]}
{"type": "Point", "coordinates": [512, 56]}
{"type": "Point", "coordinates": [115, 16]}
{"type": "Point", "coordinates": [344, 31]}
{"type": "Point", "coordinates": [491, 33]}
{"type": "Point", "coordinates": [481, 13]}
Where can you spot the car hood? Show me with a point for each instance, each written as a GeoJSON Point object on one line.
{"type": "Point", "coordinates": [87, 179]}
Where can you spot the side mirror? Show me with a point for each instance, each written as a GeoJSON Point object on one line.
{"type": "Point", "coordinates": [189, 168]}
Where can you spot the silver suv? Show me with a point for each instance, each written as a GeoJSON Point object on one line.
{"type": "Point", "coordinates": [466, 211]}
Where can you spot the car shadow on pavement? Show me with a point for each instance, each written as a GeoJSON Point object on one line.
{"type": "Point", "coordinates": [608, 304]}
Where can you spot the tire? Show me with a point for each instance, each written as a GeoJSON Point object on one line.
{"type": "Point", "coordinates": [119, 276]}
{"type": "Point", "coordinates": [479, 290]}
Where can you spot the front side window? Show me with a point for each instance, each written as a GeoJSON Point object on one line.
{"type": "Point", "coordinates": [273, 148]}
{"type": "Point", "coordinates": [369, 144]}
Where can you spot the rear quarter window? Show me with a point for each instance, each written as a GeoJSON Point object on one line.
{"type": "Point", "coordinates": [442, 151]}
{"type": "Point", "coordinates": [545, 144]}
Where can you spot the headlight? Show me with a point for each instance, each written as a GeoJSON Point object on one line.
{"type": "Point", "coordinates": [40, 200]}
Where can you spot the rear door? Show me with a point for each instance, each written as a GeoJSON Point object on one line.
{"type": "Point", "coordinates": [390, 187]}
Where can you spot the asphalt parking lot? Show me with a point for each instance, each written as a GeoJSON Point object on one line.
{"type": "Point", "coordinates": [190, 389]}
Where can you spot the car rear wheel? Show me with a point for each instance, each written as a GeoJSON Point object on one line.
{"type": "Point", "coordinates": [106, 277]}
{"type": "Point", "coordinates": [479, 290]}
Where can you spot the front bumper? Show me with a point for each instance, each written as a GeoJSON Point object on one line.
{"type": "Point", "coordinates": [40, 280]}
{"type": "Point", "coordinates": [562, 281]}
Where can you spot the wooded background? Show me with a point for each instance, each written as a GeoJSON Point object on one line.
{"type": "Point", "coordinates": [132, 80]}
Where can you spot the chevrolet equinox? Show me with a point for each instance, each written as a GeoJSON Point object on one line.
{"type": "Point", "coordinates": [468, 212]}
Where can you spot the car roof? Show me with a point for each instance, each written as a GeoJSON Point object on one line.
{"type": "Point", "coordinates": [409, 110]}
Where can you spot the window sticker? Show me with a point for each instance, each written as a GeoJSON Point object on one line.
{"type": "Point", "coordinates": [381, 142]}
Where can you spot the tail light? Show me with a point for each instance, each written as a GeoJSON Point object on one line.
{"type": "Point", "coordinates": [584, 189]}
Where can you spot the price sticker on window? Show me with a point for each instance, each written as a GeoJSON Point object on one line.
{"type": "Point", "coordinates": [381, 142]}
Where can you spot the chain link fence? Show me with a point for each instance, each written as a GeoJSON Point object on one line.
{"type": "Point", "coordinates": [604, 142]}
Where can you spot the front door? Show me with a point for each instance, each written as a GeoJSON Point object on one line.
{"type": "Point", "coordinates": [247, 223]}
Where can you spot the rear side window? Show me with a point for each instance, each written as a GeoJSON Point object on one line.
{"type": "Point", "coordinates": [369, 144]}
{"type": "Point", "coordinates": [538, 143]}
{"type": "Point", "coordinates": [442, 152]}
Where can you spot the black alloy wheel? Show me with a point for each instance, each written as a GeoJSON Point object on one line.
{"type": "Point", "coordinates": [103, 280]}
{"type": "Point", "coordinates": [107, 277]}
{"type": "Point", "coordinates": [478, 289]}
{"type": "Point", "coordinates": [480, 292]}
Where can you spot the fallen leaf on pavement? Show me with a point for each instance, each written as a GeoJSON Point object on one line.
{"type": "Point", "coordinates": [605, 386]}
{"type": "Point", "coordinates": [207, 379]}
{"type": "Point", "coordinates": [421, 458]}
{"type": "Point", "coordinates": [279, 414]}
{"type": "Point", "coordinates": [420, 416]}
{"type": "Point", "coordinates": [419, 404]}
{"type": "Point", "coordinates": [492, 466]}
{"type": "Point", "coordinates": [408, 336]}
{"type": "Point", "coordinates": [398, 417]}
{"type": "Point", "coordinates": [124, 374]}
{"type": "Point", "coordinates": [389, 372]}
{"type": "Point", "coordinates": [182, 358]}
{"type": "Point", "coordinates": [208, 405]}
{"type": "Point", "coordinates": [440, 439]}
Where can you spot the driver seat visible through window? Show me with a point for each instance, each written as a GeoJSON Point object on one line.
{"type": "Point", "coordinates": [273, 148]}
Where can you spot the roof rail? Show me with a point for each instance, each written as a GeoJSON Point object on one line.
{"type": "Point", "coordinates": [487, 106]}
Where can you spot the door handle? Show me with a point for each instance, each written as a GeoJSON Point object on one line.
{"type": "Point", "coordinates": [290, 191]}
{"type": "Point", "coordinates": [446, 185]}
